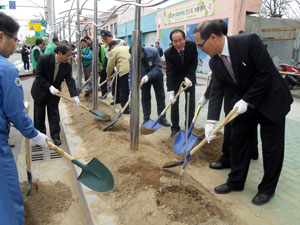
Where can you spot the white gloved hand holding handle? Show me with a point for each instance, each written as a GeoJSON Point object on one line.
{"type": "Point", "coordinates": [76, 100]}
{"type": "Point", "coordinates": [53, 90]}
{"type": "Point", "coordinates": [242, 106]}
{"type": "Point", "coordinates": [172, 97]}
{"type": "Point", "coordinates": [209, 127]}
{"type": "Point", "coordinates": [41, 140]}
{"type": "Point", "coordinates": [145, 79]}
{"type": "Point", "coordinates": [129, 96]}
{"type": "Point", "coordinates": [188, 82]}
{"type": "Point", "coordinates": [202, 101]}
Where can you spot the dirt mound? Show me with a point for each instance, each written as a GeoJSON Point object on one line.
{"type": "Point", "coordinates": [46, 199]}
{"type": "Point", "coordinates": [143, 192]}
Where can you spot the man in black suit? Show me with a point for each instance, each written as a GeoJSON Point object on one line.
{"type": "Point", "coordinates": [224, 160]}
{"type": "Point", "coordinates": [181, 63]}
{"type": "Point", "coordinates": [243, 64]}
{"type": "Point", "coordinates": [52, 69]}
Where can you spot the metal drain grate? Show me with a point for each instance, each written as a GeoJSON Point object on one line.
{"type": "Point", "coordinates": [39, 154]}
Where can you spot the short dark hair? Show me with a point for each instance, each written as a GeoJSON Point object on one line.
{"type": "Point", "coordinates": [177, 31]}
{"type": "Point", "coordinates": [55, 39]}
{"type": "Point", "coordinates": [157, 42]}
{"type": "Point", "coordinates": [87, 38]}
{"type": "Point", "coordinates": [112, 43]}
{"type": "Point", "coordinates": [8, 25]}
{"type": "Point", "coordinates": [105, 34]}
{"type": "Point", "coordinates": [142, 49]}
{"type": "Point", "coordinates": [63, 49]}
{"type": "Point", "coordinates": [241, 32]}
{"type": "Point", "coordinates": [39, 41]}
{"type": "Point", "coordinates": [223, 25]}
{"type": "Point", "coordinates": [206, 28]}
{"type": "Point", "coordinates": [83, 40]}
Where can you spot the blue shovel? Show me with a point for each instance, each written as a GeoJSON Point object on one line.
{"type": "Point", "coordinates": [151, 126]}
{"type": "Point", "coordinates": [179, 142]}
{"type": "Point", "coordinates": [176, 163]}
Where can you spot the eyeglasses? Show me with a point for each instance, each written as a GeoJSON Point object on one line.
{"type": "Point", "coordinates": [203, 43]}
{"type": "Point", "coordinates": [16, 39]}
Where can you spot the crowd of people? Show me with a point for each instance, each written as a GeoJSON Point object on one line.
{"type": "Point", "coordinates": [243, 75]}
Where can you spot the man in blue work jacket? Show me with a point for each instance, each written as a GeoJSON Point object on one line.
{"type": "Point", "coordinates": [12, 111]}
{"type": "Point", "coordinates": [152, 75]}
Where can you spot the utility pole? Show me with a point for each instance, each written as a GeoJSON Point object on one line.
{"type": "Point", "coordinates": [51, 19]}
{"type": "Point", "coordinates": [95, 61]}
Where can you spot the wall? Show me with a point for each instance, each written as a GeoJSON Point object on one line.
{"type": "Point", "coordinates": [187, 15]}
{"type": "Point", "coordinates": [282, 40]}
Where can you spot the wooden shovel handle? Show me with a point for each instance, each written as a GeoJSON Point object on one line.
{"type": "Point", "coordinates": [197, 113]}
{"type": "Point", "coordinates": [176, 96]}
{"type": "Point", "coordinates": [60, 151]}
{"type": "Point", "coordinates": [27, 143]}
{"type": "Point", "coordinates": [227, 119]}
{"type": "Point", "coordinates": [59, 94]}
{"type": "Point", "coordinates": [104, 82]}
{"type": "Point", "coordinates": [128, 102]}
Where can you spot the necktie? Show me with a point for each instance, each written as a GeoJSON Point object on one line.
{"type": "Point", "coordinates": [56, 71]}
{"type": "Point", "coordinates": [181, 53]}
{"type": "Point", "coordinates": [229, 67]}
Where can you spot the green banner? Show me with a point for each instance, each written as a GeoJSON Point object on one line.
{"type": "Point", "coordinates": [41, 33]}
{"type": "Point", "coordinates": [189, 11]}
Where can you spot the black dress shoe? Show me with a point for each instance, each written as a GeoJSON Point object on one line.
{"type": "Point", "coordinates": [174, 132]}
{"type": "Point", "coordinates": [260, 198]}
{"type": "Point", "coordinates": [57, 142]}
{"type": "Point", "coordinates": [127, 111]}
{"type": "Point", "coordinates": [218, 165]}
{"type": "Point", "coordinates": [164, 122]}
{"type": "Point", "coordinates": [224, 189]}
{"type": "Point", "coordinates": [112, 103]}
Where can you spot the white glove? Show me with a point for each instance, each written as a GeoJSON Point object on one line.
{"type": "Point", "coordinates": [145, 79]}
{"type": "Point", "coordinates": [203, 100]}
{"type": "Point", "coordinates": [53, 90]}
{"type": "Point", "coordinates": [209, 127]}
{"type": "Point", "coordinates": [76, 100]}
{"type": "Point", "coordinates": [129, 96]}
{"type": "Point", "coordinates": [242, 106]}
{"type": "Point", "coordinates": [172, 97]}
{"type": "Point", "coordinates": [187, 82]}
{"type": "Point", "coordinates": [41, 140]}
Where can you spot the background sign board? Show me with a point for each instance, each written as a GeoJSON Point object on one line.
{"type": "Point", "coordinates": [34, 26]}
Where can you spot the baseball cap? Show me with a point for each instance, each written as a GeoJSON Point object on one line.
{"type": "Point", "coordinates": [105, 34]}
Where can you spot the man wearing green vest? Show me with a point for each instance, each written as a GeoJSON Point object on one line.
{"type": "Point", "coordinates": [51, 46]}
{"type": "Point", "coordinates": [102, 67]}
{"type": "Point", "coordinates": [36, 53]}
{"type": "Point", "coordinates": [87, 57]}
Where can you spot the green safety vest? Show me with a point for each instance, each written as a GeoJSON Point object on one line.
{"type": "Point", "coordinates": [102, 57]}
{"type": "Point", "coordinates": [34, 62]}
{"type": "Point", "coordinates": [50, 48]}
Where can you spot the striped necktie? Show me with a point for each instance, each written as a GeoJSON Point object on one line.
{"type": "Point", "coordinates": [229, 68]}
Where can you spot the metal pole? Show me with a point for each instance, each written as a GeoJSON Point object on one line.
{"type": "Point", "coordinates": [51, 18]}
{"type": "Point", "coordinates": [95, 62]}
{"type": "Point", "coordinates": [63, 27]}
{"type": "Point", "coordinates": [79, 47]}
{"type": "Point", "coordinates": [135, 79]}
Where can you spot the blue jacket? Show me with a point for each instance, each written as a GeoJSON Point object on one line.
{"type": "Point", "coordinates": [12, 103]}
{"type": "Point", "coordinates": [151, 65]}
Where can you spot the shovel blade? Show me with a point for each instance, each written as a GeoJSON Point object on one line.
{"type": "Point", "coordinates": [152, 125]}
{"type": "Point", "coordinates": [179, 143]}
{"type": "Point", "coordinates": [113, 123]}
{"type": "Point", "coordinates": [96, 176]}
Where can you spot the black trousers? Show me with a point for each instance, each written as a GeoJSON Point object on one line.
{"type": "Point", "coordinates": [51, 103]}
{"type": "Point", "coordinates": [26, 65]}
{"type": "Point", "coordinates": [123, 89]}
{"type": "Point", "coordinates": [272, 136]}
{"type": "Point", "coordinates": [103, 76]}
{"type": "Point", "coordinates": [225, 157]}
{"type": "Point", "coordinates": [158, 85]}
{"type": "Point", "coordinates": [118, 90]}
{"type": "Point", "coordinates": [175, 108]}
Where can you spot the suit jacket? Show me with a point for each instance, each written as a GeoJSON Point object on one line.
{"type": "Point", "coordinates": [258, 81]}
{"type": "Point", "coordinates": [176, 70]}
{"type": "Point", "coordinates": [45, 75]}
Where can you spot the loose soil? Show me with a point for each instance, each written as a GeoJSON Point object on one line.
{"type": "Point", "coordinates": [45, 201]}
{"type": "Point", "coordinates": [143, 192]}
